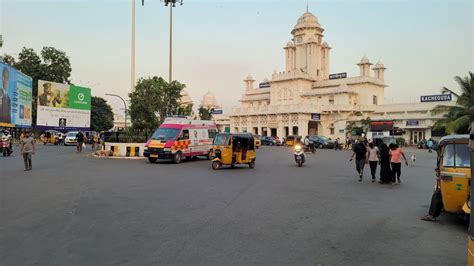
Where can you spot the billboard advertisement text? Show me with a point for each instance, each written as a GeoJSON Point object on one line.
{"type": "Point", "coordinates": [15, 98]}
{"type": "Point", "coordinates": [63, 107]}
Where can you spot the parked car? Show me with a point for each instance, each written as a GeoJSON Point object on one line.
{"type": "Point", "coordinates": [269, 141]}
{"type": "Point", "coordinates": [277, 140]}
{"type": "Point", "coordinates": [70, 138]}
{"type": "Point", "coordinates": [322, 142]}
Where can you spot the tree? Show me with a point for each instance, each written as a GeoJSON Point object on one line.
{"type": "Point", "coordinates": [102, 117]}
{"type": "Point", "coordinates": [53, 65]}
{"type": "Point", "coordinates": [152, 101]}
{"type": "Point", "coordinates": [458, 118]}
{"type": "Point", "coordinates": [205, 113]}
{"type": "Point", "coordinates": [186, 110]}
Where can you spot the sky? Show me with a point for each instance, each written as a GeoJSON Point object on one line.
{"type": "Point", "coordinates": [217, 43]}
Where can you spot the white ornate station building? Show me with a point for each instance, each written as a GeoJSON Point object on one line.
{"type": "Point", "coordinates": [305, 99]}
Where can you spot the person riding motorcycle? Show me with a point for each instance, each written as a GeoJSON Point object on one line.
{"type": "Point", "coordinates": [309, 145]}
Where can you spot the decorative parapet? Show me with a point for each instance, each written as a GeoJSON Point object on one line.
{"type": "Point", "coordinates": [300, 108]}
{"type": "Point", "coordinates": [348, 81]}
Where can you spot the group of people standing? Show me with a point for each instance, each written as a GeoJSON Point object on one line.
{"type": "Point", "coordinates": [388, 157]}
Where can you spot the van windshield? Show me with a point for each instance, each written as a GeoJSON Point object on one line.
{"type": "Point", "coordinates": [165, 134]}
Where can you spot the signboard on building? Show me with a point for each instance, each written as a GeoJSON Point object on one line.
{"type": "Point", "coordinates": [436, 98]}
{"type": "Point", "coordinates": [338, 75]}
{"type": "Point", "coordinates": [381, 125]}
{"type": "Point", "coordinates": [413, 122]}
{"type": "Point", "coordinates": [217, 111]}
{"type": "Point", "coordinates": [264, 85]}
{"type": "Point", "coordinates": [316, 117]}
{"type": "Point", "coordinates": [15, 98]}
{"type": "Point", "coordinates": [63, 106]}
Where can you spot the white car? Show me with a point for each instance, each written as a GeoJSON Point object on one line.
{"type": "Point", "coordinates": [71, 138]}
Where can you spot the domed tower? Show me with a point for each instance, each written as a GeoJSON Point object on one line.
{"type": "Point", "coordinates": [364, 66]}
{"type": "Point", "coordinates": [306, 52]}
{"type": "Point", "coordinates": [209, 101]}
{"type": "Point", "coordinates": [185, 99]}
{"type": "Point", "coordinates": [379, 70]}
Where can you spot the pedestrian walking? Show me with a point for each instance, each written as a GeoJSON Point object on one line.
{"type": "Point", "coordinates": [27, 148]}
{"type": "Point", "coordinates": [430, 145]}
{"type": "Point", "coordinates": [396, 154]}
{"type": "Point", "coordinates": [80, 141]}
{"type": "Point", "coordinates": [385, 170]}
{"type": "Point", "coordinates": [360, 153]}
{"type": "Point", "coordinates": [374, 159]}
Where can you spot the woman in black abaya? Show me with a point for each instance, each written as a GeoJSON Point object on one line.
{"type": "Point", "coordinates": [385, 171]}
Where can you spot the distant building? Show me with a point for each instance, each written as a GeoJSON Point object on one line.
{"type": "Point", "coordinates": [306, 99]}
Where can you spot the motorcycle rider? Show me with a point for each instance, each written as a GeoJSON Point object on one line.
{"type": "Point", "coordinates": [308, 144]}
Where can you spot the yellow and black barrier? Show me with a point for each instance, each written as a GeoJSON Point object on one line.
{"type": "Point", "coordinates": [114, 149]}
{"type": "Point", "coordinates": [132, 151]}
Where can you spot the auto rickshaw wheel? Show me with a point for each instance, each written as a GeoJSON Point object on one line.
{"type": "Point", "coordinates": [152, 160]}
{"type": "Point", "coordinates": [177, 157]}
{"type": "Point", "coordinates": [252, 164]}
{"type": "Point", "coordinates": [216, 165]}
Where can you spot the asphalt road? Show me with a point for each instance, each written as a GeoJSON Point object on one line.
{"type": "Point", "coordinates": [73, 209]}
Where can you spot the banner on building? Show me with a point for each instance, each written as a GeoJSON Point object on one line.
{"type": "Point", "coordinates": [413, 122]}
{"type": "Point", "coordinates": [63, 106]}
{"type": "Point", "coordinates": [217, 111]}
{"type": "Point", "coordinates": [338, 76]}
{"type": "Point", "coordinates": [15, 98]}
{"type": "Point", "coordinates": [316, 117]}
{"type": "Point", "coordinates": [264, 85]}
{"type": "Point", "coordinates": [436, 98]}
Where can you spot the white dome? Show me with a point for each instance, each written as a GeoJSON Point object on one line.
{"type": "Point", "coordinates": [209, 100]}
{"type": "Point", "coordinates": [307, 20]}
{"type": "Point", "coordinates": [364, 61]}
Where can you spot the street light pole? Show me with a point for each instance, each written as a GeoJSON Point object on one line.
{"type": "Point", "coordinates": [173, 4]}
{"type": "Point", "coordinates": [171, 45]}
{"type": "Point", "coordinates": [124, 103]}
{"type": "Point", "coordinates": [132, 63]}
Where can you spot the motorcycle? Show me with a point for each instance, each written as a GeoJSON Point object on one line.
{"type": "Point", "coordinates": [6, 146]}
{"type": "Point", "coordinates": [299, 155]}
{"type": "Point", "coordinates": [337, 146]}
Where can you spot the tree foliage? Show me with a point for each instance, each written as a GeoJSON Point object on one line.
{"type": "Point", "coordinates": [52, 65]}
{"type": "Point", "coordinates": [102, 117]}
{"type": "Point", "coordinates": [205, 113]}
{"type": "Point", "coordinates": [152, 101]}
{"type": "Point", "coordinates": [186, 110]}
{"type": "Point", "coordinates": [458, 118]}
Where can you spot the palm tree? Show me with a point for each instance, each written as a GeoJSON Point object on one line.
{"type": "Point", "coordinates": [458, 118]}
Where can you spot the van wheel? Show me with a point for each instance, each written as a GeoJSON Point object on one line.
{"type": "Point", "coordinates": [252, 164]}
{"type": "Point", "coordinates": [152, 160]}
{"type": "Point", "coordinates": [216, 165]}
{"type": "Point", "coordinates": [177, 157]}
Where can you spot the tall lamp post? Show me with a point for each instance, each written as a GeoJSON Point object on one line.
{"type": "Point", "coordinates": [124, 103]}
{"type": "Point", "coordinates": [171, 4]}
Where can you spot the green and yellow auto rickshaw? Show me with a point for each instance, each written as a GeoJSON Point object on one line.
{"type": "Point", "coordinates": [232, 149]}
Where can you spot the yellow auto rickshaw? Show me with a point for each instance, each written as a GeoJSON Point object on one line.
{"type": "Point", "coordinates": [50, 136]}
{"type": "Point", "coordinates": [232, 149]}
{"type": "Point", "coordinates": [470, 246]}
{"type": "Point", "coordinates": [453, 174]}
{"type": "Point", "coordinates": [290, 140]}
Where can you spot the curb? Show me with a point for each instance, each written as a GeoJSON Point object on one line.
{"type": "Point", "coordinates": [117, 157]}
